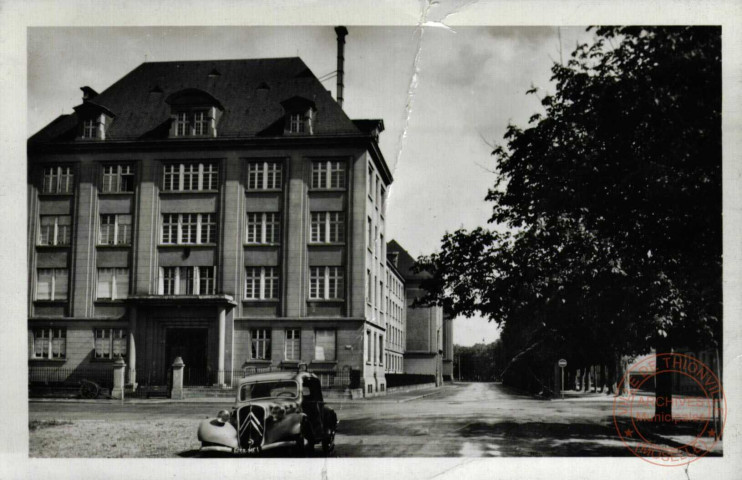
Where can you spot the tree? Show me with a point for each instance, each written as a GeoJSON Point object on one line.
{"type": "Point", "coordinates": [607, 207]}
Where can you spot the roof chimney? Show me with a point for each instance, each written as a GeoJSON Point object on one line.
{"type": "Point", "coordinates": [341, 33]}
{"type": "Point", "coordinates": [88, 93]}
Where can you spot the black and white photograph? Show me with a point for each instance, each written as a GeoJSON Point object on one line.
{"type": "Point", "coordinates": [294, 249]}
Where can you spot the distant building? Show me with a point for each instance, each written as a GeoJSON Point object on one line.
{"type": "Point", "coordinates": [447, 347]}
{"type": "Point", "coordinates": [226, 212]}
{"type": "Point", "coordinates": [424, 345]}
{"type": "Point", "coordinates": [396, 324]}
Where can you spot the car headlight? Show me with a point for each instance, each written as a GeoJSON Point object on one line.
{"type": "Point", "coordinates": [223, 416]}
{"type": "Point", "coordinates": [277, 413]}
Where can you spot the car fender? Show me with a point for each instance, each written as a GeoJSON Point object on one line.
{"type": "Point", "coordinates": [213, 431]}
{"type": "Point", "coordinates": [296, 429]}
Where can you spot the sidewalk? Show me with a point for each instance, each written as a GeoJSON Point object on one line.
{"type": "Point", "coordinates": [391, 398]}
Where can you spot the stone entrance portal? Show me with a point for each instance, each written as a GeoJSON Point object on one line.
{"type": "Point", "coordinates": [190, 344]}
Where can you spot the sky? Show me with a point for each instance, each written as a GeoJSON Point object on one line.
{"type": "Point", "coordinates": [446, 96]}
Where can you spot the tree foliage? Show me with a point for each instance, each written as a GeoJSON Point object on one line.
{"type": "Point", "coordinates": [606, 206]}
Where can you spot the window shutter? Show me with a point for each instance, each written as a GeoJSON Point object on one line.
{"type": "Point", "coordinates": [161, 282]}
{"type": "Point", "coordinates": [196, 279]}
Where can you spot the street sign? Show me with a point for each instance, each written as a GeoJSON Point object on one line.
{"type": "Point", "coordinates": [562, 363]}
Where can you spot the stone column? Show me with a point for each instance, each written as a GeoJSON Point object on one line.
{"type": "Point", "coordinates": [132, 350]}
{"type": "Point", "coordinates": [118, 378]}
{"type": "Point", "coordinates": [222, 336]}
{"type": "Point", "coordinates": [177, 391]}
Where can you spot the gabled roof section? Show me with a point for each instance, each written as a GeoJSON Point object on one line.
{"type": "Point", "coordinates": [249, 107]}
{"type": "Point", "coordinates": [404, 262]}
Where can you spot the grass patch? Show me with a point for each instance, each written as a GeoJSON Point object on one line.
{"type": "Point", "coordinates": [39, 424]}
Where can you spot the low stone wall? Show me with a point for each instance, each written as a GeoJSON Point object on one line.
{"type": "Point", "coordinates": [410, 388]}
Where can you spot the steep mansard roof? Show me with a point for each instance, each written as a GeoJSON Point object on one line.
{"type": "Point", "coordinates": [251, 92]}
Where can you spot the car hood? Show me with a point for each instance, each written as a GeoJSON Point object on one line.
{"type": "Point", "coordinates": [289, 405]}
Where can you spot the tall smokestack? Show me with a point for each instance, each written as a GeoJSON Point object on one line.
{"type": "Point", "coordinates": [341, 33]}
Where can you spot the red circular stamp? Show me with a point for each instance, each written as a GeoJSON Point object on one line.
{"type": "Point", "coordinates": [670, 429]}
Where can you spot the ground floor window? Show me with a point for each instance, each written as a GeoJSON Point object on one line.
{"type": "Point", "coordinates": [260, 339]}
{"type": "Point", "coordinates": [324, 345]}
{"type": "Point", "coordinates": [292, 345]}
{"type": "Point", "coordinates": [110, 343]}
{"type": "Point", "coordinates": [49, 343]}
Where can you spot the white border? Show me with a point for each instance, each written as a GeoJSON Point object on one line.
{"type": "Point", "coordinates": [15, 16]}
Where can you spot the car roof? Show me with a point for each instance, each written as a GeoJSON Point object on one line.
{"type": "Point", "coordinates": [272, 376]}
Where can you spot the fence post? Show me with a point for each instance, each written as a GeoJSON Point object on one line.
{"type": "Point", "coordinates": [177, 390]}
{"type": "Point", "coordinates": [118, 378]}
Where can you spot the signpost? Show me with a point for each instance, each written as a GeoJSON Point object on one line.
{"type": "Point", "coordinates": [562, 363]}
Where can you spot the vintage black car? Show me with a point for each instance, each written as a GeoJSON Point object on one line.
{"type": "Point", "coordinates": [271, 409]}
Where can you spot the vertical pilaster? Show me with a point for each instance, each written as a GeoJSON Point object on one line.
{"type": "Point", "coordinates": [222, 336]}
{"type": "Point", "coordinates": [132, 350]}
{"type": "Point", "coordinates": [83, 258]}
{"type": "Point", "coordinates": [296, 238]}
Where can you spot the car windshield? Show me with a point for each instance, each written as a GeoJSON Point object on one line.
{"type": "Point", "coordinates": [275, 388]}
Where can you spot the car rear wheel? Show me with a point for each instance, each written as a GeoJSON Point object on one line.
{"type": "Point", "coordinates": [328, 443]}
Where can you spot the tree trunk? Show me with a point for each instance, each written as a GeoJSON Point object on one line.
{"type": "Point", "coordinates": [663, 386]}
{"type": "Point", "coordinates": [602, 377]}
{"type": "Point", "coordinates": [594, 375]}
{"type": "Point", "coordinates": [611, 380]}
{"type": "Point", "coordinates": [585, 379]}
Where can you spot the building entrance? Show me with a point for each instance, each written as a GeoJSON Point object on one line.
{"type": "Point", "coordinates": [190, 344]}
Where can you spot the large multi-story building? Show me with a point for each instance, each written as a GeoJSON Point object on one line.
{"type": "Point", "coordinates": [225, 212]}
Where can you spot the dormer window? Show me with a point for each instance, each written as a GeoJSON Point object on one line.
{"type": "Point", "coordinates": [299, 116]}
{"type": "Point", "coordinates": [195, 113]}
{"type": "Point", "coordinates": [297, 123]}
{"type": "Point", "coordinates": [194, 123]}
{"type": "Point", "coordinates": [89, 129]}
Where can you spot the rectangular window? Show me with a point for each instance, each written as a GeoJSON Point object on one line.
{"type": "Point", "coordinates": [190, 177]}
{"type": "Point", "coordinates": [110, 343]}
{"type": "Point", "coordinates": [89, 128]}
{"type": "Point", "coordinates": [369, 288]}
{"type": "Point", "coordinates": [55, 230]}
{"type": "Point", "coordinates": [369, 347]}
{"type": "Point", "coordinates": [188, 228]}
{"type": "Point", "coordinates": [169, 276]}
{"type": "Point", "coordinates": [206, 281]}
{"type": "Point", "coordinates": [113, 283]}
{"type": "Point", "coordinates": [182, 124]}
{"type": "Point", "coordinates": [263, 228]}
{"type": "Point", "coordinates": [381, 349]}
{"type": "Point", "coordinates": [117, 179]}
{"type": "Point", "coordinates": [187, 281]}
{"type": "Point", "coordinates": [49, 343]}
{"type": "Point", "coordinates": [292, 345]}
{"type": "Point", "coordinates": [264, 176]}
{"type": "Point", "coordinates": [296, 123]}
{"type": "Point", "coordinates": [200, 123]}
{"type": "Point", "coordinates": [326, 283]}
{"type": "Point", "coordinates": [328, 174]}
{"type": "Point", "coordinates": [370, 182]}
{"type": "Point", "coordinates": [324, 345]}
{"type": "Point", "coordinates": [261, 283]}
{"type": "Point", "coordinates": [327, 227]}
{"type": "Point", "coordinates": [260, 343]}
{"type": "Point", "coordinates": [207, 228]}
{"type": "Point", "coordinates": [51, 284]}
{"type": "Point", "coordinates": [57, 180]}
{"type": "Point", "coordinates": [370, 234]}
{"type": "Point", "coordinates": [115, 230]}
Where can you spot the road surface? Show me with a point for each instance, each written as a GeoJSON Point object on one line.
{"type": "Point", "coordinates": [465, 419]}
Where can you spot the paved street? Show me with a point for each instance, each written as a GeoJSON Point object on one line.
{"type": "Point", "coordinates": [470, 419]}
